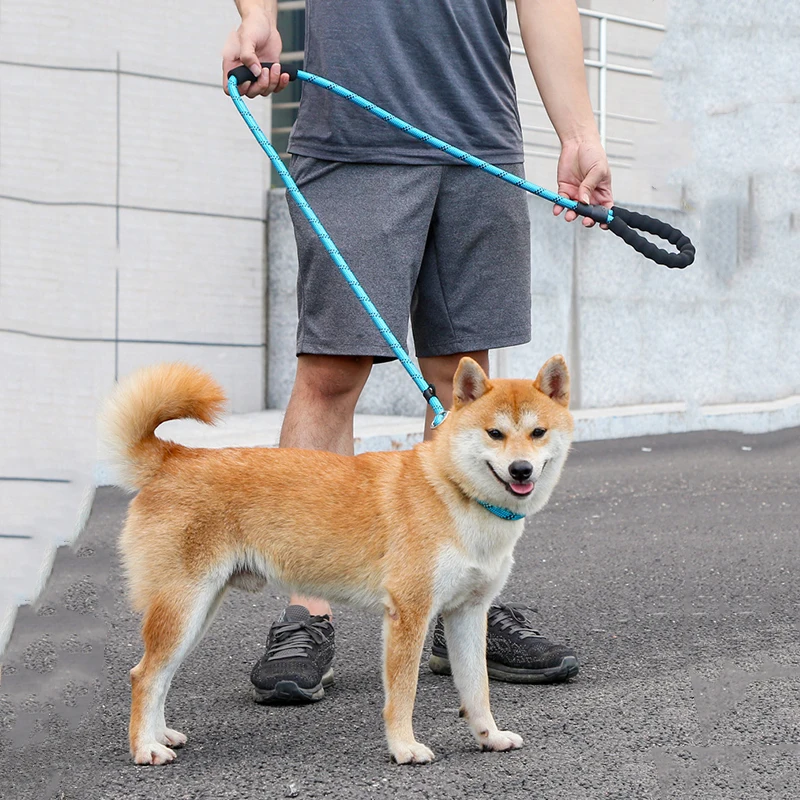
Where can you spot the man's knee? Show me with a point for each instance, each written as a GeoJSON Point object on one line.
{"type": "Point", "coordinates": [332, 378]}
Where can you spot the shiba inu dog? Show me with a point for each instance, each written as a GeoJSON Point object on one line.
{"type": "Point", "coordinates": [409, 534]}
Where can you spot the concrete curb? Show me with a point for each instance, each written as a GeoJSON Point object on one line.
{"type": "Point", "coordinates": [662, 418]}
{"type": "Point", "coordinates": [262, 429]}
{"type": "Point", "coordinates": [46, 557]}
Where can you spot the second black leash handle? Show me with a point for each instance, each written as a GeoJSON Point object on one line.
{"type": "Point", "coordinates": [626, 223]}
{"type": "Point", "coordinates": [243, 74]}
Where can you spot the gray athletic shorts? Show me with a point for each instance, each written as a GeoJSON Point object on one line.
{"type": "Point", "coordinates": [448, 246]}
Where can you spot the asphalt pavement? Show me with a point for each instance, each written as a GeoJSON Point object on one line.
{"type": "Point", "coordinates": [670, 563]}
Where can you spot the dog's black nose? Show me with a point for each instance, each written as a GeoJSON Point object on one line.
{"type": "Point", "coordinates": [520, 470]}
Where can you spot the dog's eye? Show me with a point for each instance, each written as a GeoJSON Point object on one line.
{"type": "Point", "coordinates": [538, 433]}
{"type": "Point", "coordinates": [495, 434]}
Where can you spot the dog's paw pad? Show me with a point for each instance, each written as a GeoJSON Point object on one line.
{"type": "Point", "coordinates": [502, 740]}
{"type": "Point", "coordinates": [153, 753]}
{"type": "Point", "coordinates": [172, 738]}
{"type": "Point", "coordinates": [412, 753]}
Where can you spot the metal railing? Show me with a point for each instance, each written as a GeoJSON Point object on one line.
{"type": "Point", "coordinates": [603, 67]}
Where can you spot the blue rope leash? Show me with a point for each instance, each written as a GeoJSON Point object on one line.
{"type": "Point", "coordinates": [439, 144]}
{"type": "Point", "coordinates": [620, 221]}
{"type": "Point", "coordinates": [403, 357]}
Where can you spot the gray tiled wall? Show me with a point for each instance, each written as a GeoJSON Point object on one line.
{"type": "Point", "coordinates": [131, 231]}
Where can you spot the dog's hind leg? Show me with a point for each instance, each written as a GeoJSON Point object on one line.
{"type": "Point", "coordinates": [210, 614]}
{"type": "Point", "coordinates": [404, 628]}
{"type": "Point", "coordinates": [172, 738]}
{"type": "Point", "coordinates": [173, 624]}
{"type": "Point", "coordinates": [465, 631]}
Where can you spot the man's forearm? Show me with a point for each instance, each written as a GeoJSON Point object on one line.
{"type": "Point", "coordinates": [267, 7]}
{"type": "Point", "coordinates": [551, 33]}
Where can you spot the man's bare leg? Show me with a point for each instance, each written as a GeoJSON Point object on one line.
{"type": "Point", "coordinates": [297, 664]}
{"type": "Point", "coordinates": [439, 370]}
{"type": "Point", "coordinates": [319, 416]}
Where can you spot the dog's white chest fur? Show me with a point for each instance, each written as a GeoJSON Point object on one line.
{"type": "Point", "coordinates": [479, 568]}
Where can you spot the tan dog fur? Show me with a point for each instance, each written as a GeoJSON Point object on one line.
{"type": "Point", "coordinates": [400, 532]}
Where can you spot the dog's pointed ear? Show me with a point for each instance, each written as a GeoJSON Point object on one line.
{"type": "Point", "coordinates": [553, 380]}
{"type": "Point", "coordinates": [469, 383]}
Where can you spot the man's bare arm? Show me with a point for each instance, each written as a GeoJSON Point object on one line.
{"type": "Point", "coordinates": [551, 33]}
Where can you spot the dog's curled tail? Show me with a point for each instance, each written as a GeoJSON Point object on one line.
{"type": "Point", "coordinates": [140, 403]}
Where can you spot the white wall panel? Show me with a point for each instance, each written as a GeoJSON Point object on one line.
{"type": "Point", "coordinates": [59, 135]}
{"type": "Point", "coordinates": [51, 390]}
{"type": "Point", "coordinates": [191, 278]}
{"type": "Point", "coordinates": [80, 33]}
{"type": "Point", "coordinates": [240, 370]}
{"type": "Point", "coordinates": [89, 286]}
{"type": "Point", "coordinates": [186, 147]}
{"type": "Point", "coordinates": [58, 269]}
{"type": "Point", "coordinates": [175, 38]}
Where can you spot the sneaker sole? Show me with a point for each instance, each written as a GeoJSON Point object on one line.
{"type": "Point", "coordinates": [568, 668]}
{"type": "Point", "coordinates": [288, 692]}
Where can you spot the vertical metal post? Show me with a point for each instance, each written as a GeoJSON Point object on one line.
{"type": "Point", "coordinates": [603, 77]}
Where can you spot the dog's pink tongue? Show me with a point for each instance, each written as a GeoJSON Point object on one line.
{"type": "Point", "coordinates": [521, 488]}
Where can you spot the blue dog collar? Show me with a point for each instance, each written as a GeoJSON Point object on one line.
{"type": "Point", "coordinates": [499, 511]}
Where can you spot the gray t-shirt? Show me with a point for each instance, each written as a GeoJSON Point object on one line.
{"type": "Point", "coordinates": [442, 65]}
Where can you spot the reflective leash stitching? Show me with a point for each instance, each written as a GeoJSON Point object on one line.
{"type": "Point", "coordinates": [403, 357]}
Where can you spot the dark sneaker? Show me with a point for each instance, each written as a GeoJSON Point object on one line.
{"type": "Point", "coordinates": [296, 667]}
{"type": "Point", "coordinates": [515, 651]}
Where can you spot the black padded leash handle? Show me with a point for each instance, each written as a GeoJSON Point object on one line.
{"type": "Point", "coordinates": [597, 213]}
{"type": "Point", "coordinates": [626, 223]}
{"type": "Point", "coordinates": [243, 74]}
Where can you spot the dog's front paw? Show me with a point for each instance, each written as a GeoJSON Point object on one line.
{"type": "Point", "coordinates": [172, 738]}
{"type": "Point", "coordinates": [153, 753]}
{"type": "Point", "coordinates": [502, 740]}
{"type": "Point", "coordinates": [411, 753]}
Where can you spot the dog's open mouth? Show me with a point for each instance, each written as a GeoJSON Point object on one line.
{"type": "Point", "coordinates": [518, 489]}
